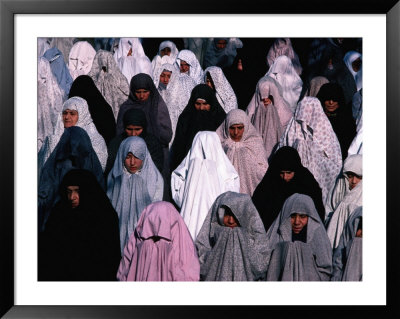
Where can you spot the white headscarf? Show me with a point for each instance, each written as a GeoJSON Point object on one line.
{"type": "Point", "coordinates": [348, 59]}
{"type": "Point", "coordinates": [85, 121]}
{"type": "Point", "coordinates": [311, 134]}
{"type": "Point", "coordinates": [283, 46]}
{"type": "Point", "coordinates": [43, 45]}
{"type": "Point", "coordinates": [136, 63]}
{"type": "Point", "coordinates": [131, 193]}
{"type": "Point", "coordinates": [203, 175]}
{"type": "Point", "coordinates": [177, 93]}
{"type": "Point", "coordinates": [342, 200]}
{"type": "Point", "coordinates": [81, 58]}
{"type": "Point", "coordinates": [283, 72]}
{"type": "Point", "coordinates": [223, 90]}
{"type": "Point", "coordinates": [50, 100]}
{"type": "Point", "coordinates": [248, 156]}
{"type": "Point", "coordinates": [159, 60]}
{"type": "Point", "coordinates": [195, 71]}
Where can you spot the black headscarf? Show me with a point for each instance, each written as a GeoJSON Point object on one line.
{"type": "Point", "coordinates": [342, 120]}
{"type": "Point", "coordinates": [272, 191]}
{"type": "Point", "coordinates": [74, 150]}
{"type": "Point", "coordinates": [138, 118]}
{"type": "Point", "coordinates": [192, 121]}
{"type": "Point", "coordinates": [100, 111]}
{"type": "Point", "coordinates": [157, 116]}
{"type": "Point", "coordinates": [82, 243]}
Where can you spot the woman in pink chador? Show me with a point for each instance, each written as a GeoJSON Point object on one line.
{"type": "Point", "coordinates": [160, 249]}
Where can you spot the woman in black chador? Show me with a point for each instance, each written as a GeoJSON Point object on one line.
{"type": "Point", "coordinates": [81, 239]}
{"type": "Point", "coordinates": [284, 177]}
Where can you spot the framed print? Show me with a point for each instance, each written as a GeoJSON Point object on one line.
{"type": "Point", "coordinates": [22, 22]}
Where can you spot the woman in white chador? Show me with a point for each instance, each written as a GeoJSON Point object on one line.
{"type": "Point", "coordinates": [344, 198]}
{"type": "Point", "coordinates": [203, 175]}
{"type": "Point", "coordinates": [175, 89]}
{"type": "Point", "coordinates": [75, 112]}
{"type": "Point", "coordinates": [81, 59]}
{"type": "Point", "coordinates": [167, 53]}
{"type": "Point", "coordinates": [131, 58]}
{"type": "Point", "coordinates": [50, 101]}
{"type": "Point", "coordinates": [284, 73]}
{"type": "Point", "coordinates": [214, 77]}
{"type": "Point", "coordinates": [188, 64]}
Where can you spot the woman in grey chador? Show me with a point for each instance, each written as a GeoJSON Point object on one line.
{"type": "Point", "coordinates": [299, 248]}
{"type": "Point", "coordinates": [232, 242]}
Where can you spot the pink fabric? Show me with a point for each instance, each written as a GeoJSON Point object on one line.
{"type": "Point", "coordinates": [172, 257]}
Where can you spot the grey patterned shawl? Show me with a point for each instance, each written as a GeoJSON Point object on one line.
{"type": "Point", "coordinates": [347, 257]}
{"type": "Point", "coordinates": [131, 193]}
{"type": "Point", "coordinates": [195, 71]}
{"type": "Point", "coordinates": [298, 261]}
{"type": "Point", "coordinates": [232, 254]}
{"type": "Point", "coordinates": [109, 80]}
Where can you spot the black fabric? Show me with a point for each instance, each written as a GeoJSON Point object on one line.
{"type": "Point", "coordinates": [100, 111]}
{"type": "Point", "coordinates": [155, 109]}
{"type": "Point", "coordinates": [82, 243]}
{"type": "Point", "coordinates": [192, 121]}
{"type": "Point", "coordinates": [254, 63]}
{"type": "Point", "coordinates": [272, 191]}
{"type": "Point", "coordinates": [74, 150]}
{"type": "Point", "coordinates": [136, 117]}
{"type": "Point", "coordinates": [342, 120]}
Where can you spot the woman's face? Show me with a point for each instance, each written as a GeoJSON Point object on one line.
{"type": "Point", "coordinates": [73, 195]}
{"type": "Point", "coordinates": [202, 105]}
{"type": "Point", "coordinates": [230, 220]}
{"type": "Point", "coordinates": [266, 101]}
{"type": "Point", "coordinates": [298, 221]}
{"type": "Point", "coordinates": [184, 67]}
{"type": "Point", "coordinates": [236, 132]}
{"type": "Point", "coordinates": [356, 65]}
{"type": "Point", "coordinates": [353, 179]}
{"type": "Point", "coordinates": [331, 106]}
{"type": "Point", "coordinates": [221, 44]}
{"type": "Point", "coordinates": [209, 83]}
{"type": "Point", "coordinates": [165, 51]}
{"type": "Point", "coordinates": [142, 94]}
{"type": "Point", "coordinates": [133, 130]}
{"type": "Point", "coordinates": [287, 176]}
{"type": "Point", "coordinates": [132, 163]}
{"type": "Point", "coordinates": [70, 118]}
{"type": "Point", "coordinates": [165, 76]}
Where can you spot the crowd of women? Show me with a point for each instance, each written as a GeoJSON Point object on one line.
{"type": "Point", "coordinates": [219, 159]}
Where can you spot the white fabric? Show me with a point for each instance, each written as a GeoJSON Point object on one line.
{"type": "Point", "coordinates": [283, 46]}
{"type": "Point", "coordinates": [348, 59]}
{"type": "Point", "coordinates": [195, 71]}
{"type": "Point", "coordinates": [177, 93]}
{"type": "Point", "coordinates": [43, 46]}
{"type": "Point", "coordinates": [203, 175]}
{"type": "Point", "coordinates": [343, 201]}
{"type": "Point", "coordinates": [85, 121]}
{"type": "Point", "coordinates": [356, 146]}
{"type": "Point", "coordinates": [223, 90]}
{"type": "Point", "coordinates": [158, 60]}
{"type": "Point", "coordinates": [136, 63]}
{"type": "Point", "coordinates": [50, 100]}
{"type": "Point", "coordinates": [284, 73]}
{"type": "Point", "coordinates": [81, 59]}
{"type": "Point", "coordinates": [312, 135]}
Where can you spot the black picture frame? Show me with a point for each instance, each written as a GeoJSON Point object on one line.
{"type": "Point", "coordinates": [9, 8]}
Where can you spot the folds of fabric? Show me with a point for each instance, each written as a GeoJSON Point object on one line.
{"type": "Point", "coordinates": [205, 173]}
{"type": "Point", "coordinates": [81, 58]}
{"type": "Point", "coordinates": [222, 58]}
{"type": "Point", "coordinates": [232, 254]}
{"type": "Point", "coordinates": [223, 90]}
{"type": "Point", "coordinates": [311, 134]}
{"type": "Point", "coordinates": [317, 245]}
{"type": "Point", "coordinates": [160, 249]}
{"type": "Point", "coordinates": [283, 46]}
{"type": "Point", "coordinates": [131, 193]}
{"type": "Point", "coordinates": [248, 155]}
{"type": "Point", "coordinates": [195, 71]}
{"type": "Point", "coordinates": [108, 78]}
